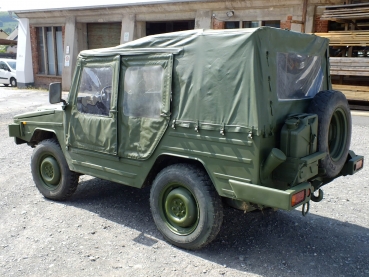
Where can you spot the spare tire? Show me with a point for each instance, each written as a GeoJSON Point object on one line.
{"type": "Point", "coordinates": [334, 129]}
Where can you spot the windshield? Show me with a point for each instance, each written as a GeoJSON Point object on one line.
{"type": "Point", "coordinates": [299, 76]}
{"type": "Point", "coordinates": [12, 65]}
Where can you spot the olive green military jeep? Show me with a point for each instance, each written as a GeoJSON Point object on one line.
{"type": "Point", "coordinates": [247, 116]}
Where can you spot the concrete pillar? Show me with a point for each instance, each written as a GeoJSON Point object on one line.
{"type": "Point", "coordinates": [82, 36]}
{"type": "Point", "coordinates": [128, 28]}
{"type": "Point", "coordinates": [24, 55]}
{"type": "Point", "coordinates": [203, 20]}
{"type": "Point", "coordinates": [140, 29]}
{"type": "Point", "coordinates": [309, 26]}
{"type": "Point", "coordinates": [70, 52]}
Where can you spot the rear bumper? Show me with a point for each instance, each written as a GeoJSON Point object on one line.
{"type": "Point", "coordinates": [353, 164]}
{"type": "Point", "coordinates": [270, 197]}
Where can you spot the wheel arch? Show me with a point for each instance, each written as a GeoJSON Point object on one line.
{"type": "Point", "coordinates": [42, 134]}
{"type": "Point", "coordinates": [166, 159]}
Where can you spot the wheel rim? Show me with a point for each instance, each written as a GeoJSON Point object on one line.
{"type": "Point", "coordinates": [12, 82]}
{"type": "Point", "coordinates": [50, 172]}
{"type": "Point", "coordinates": [179, 209]}
{"type": "Point", "coordinates": [337, 134]}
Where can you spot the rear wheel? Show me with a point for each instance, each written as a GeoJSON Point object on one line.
{"type": "Point", "coordinates": [334, 129]}
{"type": "Point", "coordinates": [185, 206]}
{"type": "Point", "coordinates": [51, 173]}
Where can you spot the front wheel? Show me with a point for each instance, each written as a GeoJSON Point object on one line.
{"type": "Point", "coordinates": [185, 206]}
{"type": "Point", "coordinates": [13, 82]}
{"type": "Point", "coordinates": [51, 173]}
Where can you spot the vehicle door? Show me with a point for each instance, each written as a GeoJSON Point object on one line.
{"type": "Point", "coordinates": [4, 73]}
{"type": "Point", "coordinates": [144, 103]}
{"type": "Point", "coordinates": [92, 120]}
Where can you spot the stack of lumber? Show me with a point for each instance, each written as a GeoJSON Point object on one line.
{"type": "Point", "coordinates": [344, 12]}
{"type": "Point", "coordinates": [346, 38]}
{"type": "Point", "coordinates": [349, 66]}
{"type": "Point", "coordinates": [359, 93]}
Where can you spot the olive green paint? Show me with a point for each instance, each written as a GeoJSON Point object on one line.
{"type": "Point", "coordinates": [219, 108]}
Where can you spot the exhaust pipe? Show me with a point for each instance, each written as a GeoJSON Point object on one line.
{"type": "Point", "coordinates": [274, 159]}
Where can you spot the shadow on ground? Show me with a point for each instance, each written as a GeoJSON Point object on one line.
{"type": "Point", "coordinates": [284, 243]}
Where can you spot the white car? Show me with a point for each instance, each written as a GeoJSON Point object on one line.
{"type": "Point", "coordinates": [8, 72]}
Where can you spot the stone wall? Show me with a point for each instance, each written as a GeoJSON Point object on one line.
{"type": "Point", "coordinates": [320, 26]}
{"type": "Point", "coordinates": [287, 23]}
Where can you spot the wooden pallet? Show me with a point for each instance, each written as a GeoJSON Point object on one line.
{"type": "Point", "coordinates": [346, 12]}
{"type": "Point", "coordinates": [349, 66]}
{"type": "Point", "coordinates": [358, 93]}
{"type": "Point", "coordinates": [346, 38]}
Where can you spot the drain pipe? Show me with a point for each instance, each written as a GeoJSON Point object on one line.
{"type": "Point", "coordinates": [304, 12]}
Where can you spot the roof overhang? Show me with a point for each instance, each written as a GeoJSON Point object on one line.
{"type": "Point", "coordinates": [123, 3]}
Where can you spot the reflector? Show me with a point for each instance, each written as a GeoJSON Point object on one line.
{"type": "Point", "coordinates": [359, 164]}
{"type": "Point", "coordinates": [298, 198]}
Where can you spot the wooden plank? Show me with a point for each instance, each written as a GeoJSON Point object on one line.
{"type": "Point", "coordinates": [345, 68]}
{"type": "Point", "coordinates": [349, 60]}
{"type": "Point", "coordinates": [346, 6]}
{"type": "Point", "coordinates": [351, 88]}
{"type": "Point", "coordinates": [346, 38]}
{"type": "Point", "coordinates": [360, 93]}
{"type": "Point", "coordinates": [348, 73]}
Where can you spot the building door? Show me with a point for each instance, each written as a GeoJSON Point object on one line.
{"type": "Point", "coordinates": [102, 35]}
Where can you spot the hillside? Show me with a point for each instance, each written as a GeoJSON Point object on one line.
{"type": "Point", "coordinates": [7, 24]}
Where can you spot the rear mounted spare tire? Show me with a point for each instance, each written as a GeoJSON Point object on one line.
{"type": "Point", "coordinates": [334, 130]}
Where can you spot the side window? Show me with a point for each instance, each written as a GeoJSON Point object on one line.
{"type": "Point", "coordinates": [143, 86]}
{"type": "Point", "coordinates": [94, 92]}
{"type": "Point", "coordinates": [2, 65]}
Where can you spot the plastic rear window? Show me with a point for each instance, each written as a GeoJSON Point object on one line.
{"type": "Point", "coordinates": [298, 76]}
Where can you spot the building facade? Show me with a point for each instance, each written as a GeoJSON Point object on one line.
{"type": "Point", "coordinates": [50, 40]}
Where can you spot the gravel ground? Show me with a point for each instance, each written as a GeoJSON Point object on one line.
{"type": "Point", "coordinates": [106, 229]}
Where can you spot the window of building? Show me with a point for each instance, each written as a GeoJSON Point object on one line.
{"type": "Point", "coordinates": [232, 25]}
{"type": "Point", "coordinates": [50, 50]}
{"type": "Point", "coordinates": [272, 23]}
{"type": "Point", "coordinates": [154, 28]}
{"type": "Point", "coordinates": [241, 24]}
{"type": "Point", "coordinates": [250, 24]}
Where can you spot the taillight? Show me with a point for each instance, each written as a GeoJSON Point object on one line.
{"type": "Point", "coordinates": [298, 198]}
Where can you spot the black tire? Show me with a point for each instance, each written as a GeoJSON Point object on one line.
{"type": "Point", "coordinates": [185, 206]}
{"type": "Point", "coordinates": [51, 173]}
{"type": "Point", "coordinates": [334, 129]}
{"type": "Point", "coordinates": [6, 85]}
{"type": "Point", "coordinates": [13, 82]}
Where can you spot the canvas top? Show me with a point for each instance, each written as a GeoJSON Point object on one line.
{"type": "Point", "coordinates": [242, 79]}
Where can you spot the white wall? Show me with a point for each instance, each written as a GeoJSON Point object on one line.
{"type": "Point", "coordinates": [24, 55]}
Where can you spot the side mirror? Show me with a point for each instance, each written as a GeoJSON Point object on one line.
{"type": "Point", "coordinates": [55, 93]}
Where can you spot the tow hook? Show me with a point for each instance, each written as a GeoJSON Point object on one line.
{"type": "Point", "coordinates": [305, 208]}
{"type": "Point", "coordinates": [317, 198]}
